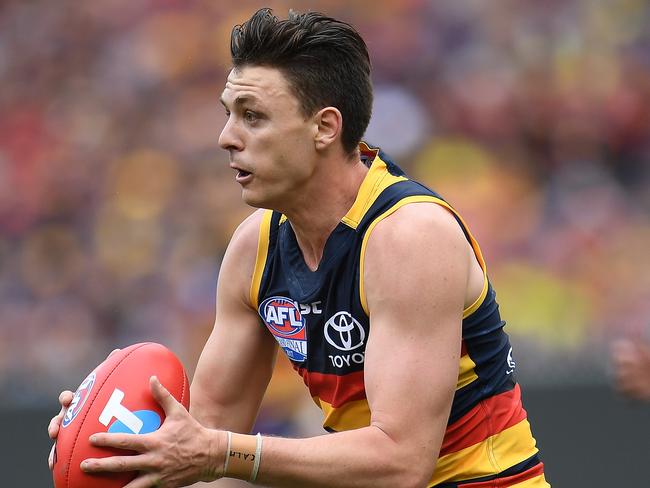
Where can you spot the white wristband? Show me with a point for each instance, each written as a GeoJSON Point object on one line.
{"type": "Point", "coordinates": [225, 463]}
{"type": "Point", "coordinates": [258, 455]}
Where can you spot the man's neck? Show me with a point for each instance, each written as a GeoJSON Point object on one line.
{"type": "Point", "coordinates": [323, 207]}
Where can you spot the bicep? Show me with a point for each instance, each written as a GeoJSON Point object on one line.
{"type": "Point", "coordinates": [410, 380]}
{"type": "Point", "coordinates": [232, 374]}
{"type": "Point", "coordinates": [416, 279]}
{"type": "Point", "coordinates": [237, 360]}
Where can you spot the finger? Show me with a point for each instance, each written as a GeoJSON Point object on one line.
{"type": "Point", "coordinates": [162, 395]}
{"type": "Point", "coordinates": [114, 464]}
{"type": "Point", "coordinates": [65, 398]}
{"type": "Point", "coordinates": [112, 352]}
{"type": "Point", "coordinates": [53, 426]}
{"type": "Point", "coordinates": [55, 422]}
{"type": "Point", "coordinates": [50, 458]}
{"type": "Point", "coordinates": [129, 442]}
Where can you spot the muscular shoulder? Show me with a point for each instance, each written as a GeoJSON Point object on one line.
{"type": "Point", "coordinates": [419, 250]}
{"type": "Point", "coordinates": [418, 227]}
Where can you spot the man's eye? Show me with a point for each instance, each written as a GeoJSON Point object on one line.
{"type": "Point", "coordinates": [250, 116]}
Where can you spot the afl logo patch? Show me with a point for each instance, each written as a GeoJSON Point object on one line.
{"type": "Point", "coordinates": [283, 319]}
{"type": "Point", "coordinates": [344, 332]}
{"type": "Point", "coordinates": [79, 399]}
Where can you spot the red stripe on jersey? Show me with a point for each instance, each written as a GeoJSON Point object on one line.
{"type": "Point", "coordinates": [486, 419]}
{"type": "Point", "coordinates": [513, 480]}
{"type": "Point", "coordinates": [335, 390]}
{"type": "Point", "coordinates": [463, 348]}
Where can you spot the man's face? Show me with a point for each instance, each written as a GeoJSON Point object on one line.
{"type": "Point", "coordinates": [271, 144]}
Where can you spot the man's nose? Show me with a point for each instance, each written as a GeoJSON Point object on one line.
{"type": "Point", "coordinates": [229, 138]}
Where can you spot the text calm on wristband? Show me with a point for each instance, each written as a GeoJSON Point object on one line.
{"type": "Point", "coordinates": [243, 456]}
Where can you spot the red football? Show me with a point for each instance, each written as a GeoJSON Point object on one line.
{"type": "Point", "coordinates": [115, 397]}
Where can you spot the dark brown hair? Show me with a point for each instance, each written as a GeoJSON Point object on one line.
{"type": "Point", "coordinates": [324, 60]}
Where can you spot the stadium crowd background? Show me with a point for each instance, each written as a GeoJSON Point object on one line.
{"type": "Point", "coordinates": [116, 204]}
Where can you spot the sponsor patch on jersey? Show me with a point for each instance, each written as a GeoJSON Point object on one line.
{"type": "Point", "coordinates": [78, 400]}
{"type": "Point", "coordinates": [344, 332]}
{"type": "Point", "coordinates": [511, 363]}
{"type": "Point", "coordinates": [283, 318]}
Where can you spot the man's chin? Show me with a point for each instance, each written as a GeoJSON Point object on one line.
{"type": "Point", "coordinates": [251, 199]}
{"type": "Point", "coordinates": [256, 200]}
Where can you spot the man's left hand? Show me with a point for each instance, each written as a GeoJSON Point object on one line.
{"type": "Point", "coordinates": [180, 453]}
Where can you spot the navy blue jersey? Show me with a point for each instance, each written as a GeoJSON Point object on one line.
{"type": "Point", "coordinates": [321, 321]}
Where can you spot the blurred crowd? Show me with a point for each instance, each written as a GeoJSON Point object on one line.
{"type": "Point", "coordinates": [116, 204]}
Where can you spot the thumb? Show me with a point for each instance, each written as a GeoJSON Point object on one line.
{"type": "Point", "coordinates": [162, 396]}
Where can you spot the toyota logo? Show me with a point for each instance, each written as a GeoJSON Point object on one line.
{"type": "Point", "coordinates": [344, 332]}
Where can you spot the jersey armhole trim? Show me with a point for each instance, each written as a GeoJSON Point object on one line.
{"type": "Point", "coordinates": [260, 260]}
{"type": "Point", "coordinates": [374, 183]}
{"type": "Point", "coordinates": [419, 199]}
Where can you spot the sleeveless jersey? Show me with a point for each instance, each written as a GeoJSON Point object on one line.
{"type": "Point", "coordinates": [321, 321]}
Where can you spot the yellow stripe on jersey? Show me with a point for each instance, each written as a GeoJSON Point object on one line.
{"type": "Point", "coordinates": [466, 373]}
{"type": "Point", "coordinates": [376, 181]}
{"type": "Point", "coordinates": [360, 411]}
{"type": "Point", "coordinates": [491, 456]}
{"type": "Point", "coordinates": [479, 257]}
{"type": "Point", "coordinates": [260, 260]}
{"type": "Point", "coordinates": [351, 415]}
{"type": "Point", "coordinates": [477, 303]}
{"type": "Point", "coordinates": [473, 242]}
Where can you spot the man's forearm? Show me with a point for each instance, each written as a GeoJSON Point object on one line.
{"type": "Point", "coordinates": [365, 457]}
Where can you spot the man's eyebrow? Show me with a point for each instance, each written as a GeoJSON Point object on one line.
{"type": "Point", "coordinates": [240, 100]}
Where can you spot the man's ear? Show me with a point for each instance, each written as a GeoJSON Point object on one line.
{"type": "Point", "coordinates": [329, 123]}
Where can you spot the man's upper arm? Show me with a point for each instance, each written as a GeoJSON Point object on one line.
{"type": "Point", "coordinates": [237, 361]}
{"type": "Point", "coordinates": [416, 271]}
